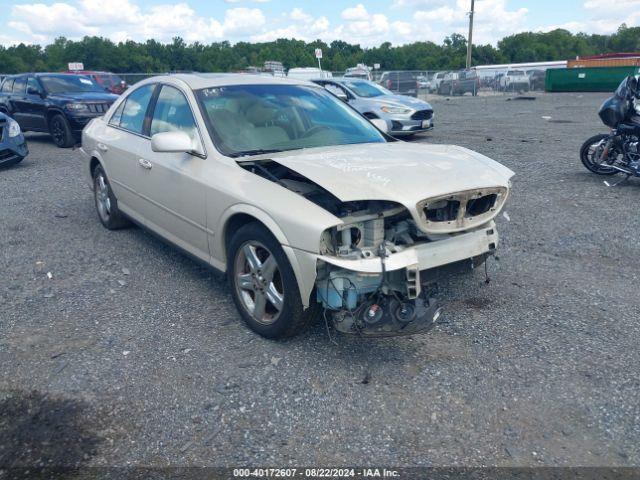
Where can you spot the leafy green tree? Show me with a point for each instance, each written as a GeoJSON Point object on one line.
{"type": "Point", "coordinates": [152, 56]}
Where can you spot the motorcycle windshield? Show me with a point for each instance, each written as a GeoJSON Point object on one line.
{"type": "Point", "coordinates": [627, 86]}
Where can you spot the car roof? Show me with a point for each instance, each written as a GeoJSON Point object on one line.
{"type": "Point", "coordinates": [90, 72]}
{"type": "Point", "coordinates": [197, 81]}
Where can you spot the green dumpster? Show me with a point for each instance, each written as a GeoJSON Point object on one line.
{"type": "Point", "coordinates": [597, 79]}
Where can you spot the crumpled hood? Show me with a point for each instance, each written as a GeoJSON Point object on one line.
{"type": "Point", "coordinates": [397, 171]}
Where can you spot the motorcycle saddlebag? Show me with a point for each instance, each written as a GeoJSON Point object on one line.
{"type": "Point", "coordinates": [613, 111]}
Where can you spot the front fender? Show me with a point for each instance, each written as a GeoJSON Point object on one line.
{"type": "Point", "coordinates": [305, 276]}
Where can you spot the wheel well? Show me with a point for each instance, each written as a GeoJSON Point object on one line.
{"type": "Point", "coordinates": [51, 114]}
{"type": "Point", "coordinates": [234, 224]}
{"type": "Point", "coordinates": [93, 164]}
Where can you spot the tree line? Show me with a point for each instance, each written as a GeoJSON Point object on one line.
{"type": "Point", "coordinates": [99, 53]}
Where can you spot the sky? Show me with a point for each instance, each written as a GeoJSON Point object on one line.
{"type": "Point", "coordinates": [367, 22]}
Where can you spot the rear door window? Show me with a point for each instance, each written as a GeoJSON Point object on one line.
{"type": "Point", "coordinates": [135, 109]}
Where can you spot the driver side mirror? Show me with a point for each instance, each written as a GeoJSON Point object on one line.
{"type": "Point", "coordinates": [342, 96]}
{"type": "Point", "coordinates": [174, 142]}
{"type": "Point", "coordinates": [338, 92]}
{"type": "Point", "coordinates": [380, 124]}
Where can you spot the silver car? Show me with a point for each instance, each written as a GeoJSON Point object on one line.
{"type": "Point", "coordinates": [404, 115]}
{"type": "Point", "coordinates": [307, 206]}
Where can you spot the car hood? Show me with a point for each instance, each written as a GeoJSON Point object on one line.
{"type": "Point", "coordinates": [85, 97]}
{"type": "Point", "coordinates": [402, 100]}
{"type": "Point", "coordinates": [396, 171]}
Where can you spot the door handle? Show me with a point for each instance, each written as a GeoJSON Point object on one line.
{"type": "Point", "coordinates": [146, 164]}
{"type": "Point", "coordinates": [102, 147]}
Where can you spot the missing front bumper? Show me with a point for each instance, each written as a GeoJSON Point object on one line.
{"type": "Point", "coordinates": [388, 316]}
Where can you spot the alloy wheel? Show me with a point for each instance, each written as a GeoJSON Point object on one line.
{"type": "Point", "coordinates": [57, 131]}
{"type": "Point", "coordinates": [258, 282]}
{"type": "Point", "coordinates": [103, 200]}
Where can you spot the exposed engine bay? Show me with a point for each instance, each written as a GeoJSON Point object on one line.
{"type": "Point", "coordinates": [387, 301]}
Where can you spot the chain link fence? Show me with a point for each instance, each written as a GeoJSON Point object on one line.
{"type": "Point", "coordinates": [422, 83]}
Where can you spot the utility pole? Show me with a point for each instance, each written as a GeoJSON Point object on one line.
{"type": "Point", "coordinates": [470, 37]}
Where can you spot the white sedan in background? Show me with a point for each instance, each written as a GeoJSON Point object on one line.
{"type": "Point", "coordinates": [305, 204]}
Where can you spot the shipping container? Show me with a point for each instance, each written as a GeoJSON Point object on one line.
{"type": "Point", "coordinates": [604, 62]}
{"type": "Point", "coordinates": [600, 79]}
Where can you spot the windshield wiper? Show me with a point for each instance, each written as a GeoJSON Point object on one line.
{"type": "Point", "coordinates": [257, 151]}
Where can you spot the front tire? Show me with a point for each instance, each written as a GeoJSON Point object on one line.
{"type": "Point", "coordinates": [61, 131]}
{"type": "Point", "coordinates": [263, 285]}
{"type": "Point", "coordinates": [106, 203]}
{"type": "Point", "coordinates": [590, 153]}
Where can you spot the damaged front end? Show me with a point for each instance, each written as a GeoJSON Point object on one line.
{"type": "Point", "coordinates": [377, 269]}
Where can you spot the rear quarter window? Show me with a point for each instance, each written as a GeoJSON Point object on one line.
{"type": "Point", "coordinates": [7, 86]}
{"type": "Point", "coordinates": [20, 85]}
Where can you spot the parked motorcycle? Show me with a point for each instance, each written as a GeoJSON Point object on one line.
{"type": "Point", "coordinates": [618, 151]}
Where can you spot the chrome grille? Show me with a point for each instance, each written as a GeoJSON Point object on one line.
{"type": "Point", "coordinates": [98, 107]}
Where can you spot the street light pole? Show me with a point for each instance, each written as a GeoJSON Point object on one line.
{"type": "Point", "coordinates": [470, 37]}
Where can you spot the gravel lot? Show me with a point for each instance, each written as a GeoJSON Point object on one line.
{"type": "Point", "coordinates": [132, 354]}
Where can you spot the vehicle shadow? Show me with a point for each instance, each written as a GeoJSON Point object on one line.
{"type": "Point", "coordinates": [43, 138]}
{"type": "Point", "coordinates": [39, 432]}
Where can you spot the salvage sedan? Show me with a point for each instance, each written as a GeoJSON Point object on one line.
{"type": "Point", "coordinates": [306, 205]}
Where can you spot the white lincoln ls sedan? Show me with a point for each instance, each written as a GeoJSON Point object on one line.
{"type": "Point", "coordinates": [305, 204]}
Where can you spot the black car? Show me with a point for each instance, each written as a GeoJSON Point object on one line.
{"type": "Point", "coordinates": [459, 83]}
{"type": "Point", "coordinates": [56, 103]}
{"type": "Point", "coordinates": [401, 83]}
{"type": "Point", "coordinates": [13, 147]}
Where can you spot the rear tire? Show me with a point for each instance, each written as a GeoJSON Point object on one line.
{"type": "Point", "coordinates": [588, 150]}
{"type": "Point", "coordinates": [61, 131]}
{"type": "Point", "coordinates": [106, 203]}
{"type": "Point", "coordinates": [263, 285]}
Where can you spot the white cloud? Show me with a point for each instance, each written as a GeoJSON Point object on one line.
{"type": "Point", "coordinates": [298, 15]}
{"type": "Point", "coordinates": [102, 12]}
{"type": "Point", "coordinates": [408, 21]}
{"type": "Point", "coordinates": [492, 21]}
{"type": "Point", "coordinates": [243, 20]}
{"type": "Point", "coordinates": [355, 13]}
{"type": "Point", "coordinates": [38, 19]}
{"type": "Point", "coordinates": [605, 17]}
{"type": "Point", "coordinates": [305, 27]}
{"type": "Point", "coordinates": [163, 22]}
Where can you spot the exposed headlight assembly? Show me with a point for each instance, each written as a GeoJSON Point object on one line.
{"type": "Point", "coordinates": [395, 110]}
{"type": "Point", "coordinates": [14, 128]}
{"type": "Point", "coordinates": [76, 107]}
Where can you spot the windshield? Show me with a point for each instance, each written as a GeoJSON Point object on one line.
{"type": "Point", "coordinates": [108, 79]}
{"type": "Point", "coordinates": [68, 84]}
{"type": "Point", "coordinates": [255, 119]}
{"type": "Point", "coordinates": [515, 73]}
{"type": "Point", "coordinates": [367, 89]}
